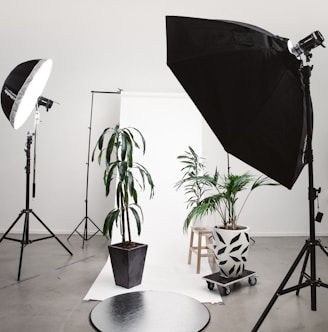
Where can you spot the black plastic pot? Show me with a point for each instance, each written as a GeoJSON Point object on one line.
{"type": "Point", "coordinates": [128, 264]}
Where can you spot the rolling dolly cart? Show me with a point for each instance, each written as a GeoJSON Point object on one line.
{"type": "Point", "coordinates": [217, 279]}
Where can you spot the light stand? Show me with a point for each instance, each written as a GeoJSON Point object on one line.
{"type": "Point", "coordinates": [266, 120]}
{"type": "Point", "coordinates": [25, 240]}
{"type": "Point", "coordinates": [309, 248]}
{"type": "Point", "coordinates": [86, 218]}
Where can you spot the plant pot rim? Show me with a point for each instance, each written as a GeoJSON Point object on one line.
{"type": "Point", "coordinates": [239, 228]}
{"type": "Point", "coordinates": [127, 245]}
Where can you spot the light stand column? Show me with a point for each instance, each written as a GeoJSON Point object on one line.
{"type": "Point", "coordinates": [86, 218]}
{"type": "Point", "coordinates": [309, 248]}
{"type": "Point", "coordinates": [26, 213]}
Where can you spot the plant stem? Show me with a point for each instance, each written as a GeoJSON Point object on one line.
{"type": "Point", "coordinates": [123, 218]}
{"type": "Point", "coordinates": [128, 224]}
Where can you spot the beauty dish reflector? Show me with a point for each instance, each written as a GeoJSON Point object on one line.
{"type": "Point", "coordinates": [22, 89]}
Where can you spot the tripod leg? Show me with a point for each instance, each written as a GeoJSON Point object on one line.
{"type": "Point", "coordinates": [85, 236]}
{"type": "Point", "coordinates": [324, 249]}
{"type": "Point", "coordinates": [303, 269]}
{"type": "Point", "coordinates": [85, 232]}
{"type": "Point", "coordinates": [76, 228]}
{"type": "Point", "coordinates": [49, 230]}
{"type": "Point", "coordinates": [96, 232]}
{"type": "Point", "coordinates": [12, 225]}
{"type": "Point", "coordinates": [23, 242]}
{"type": "Point", "coordinates": [281, 287]}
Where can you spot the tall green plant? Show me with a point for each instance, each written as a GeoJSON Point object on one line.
{"type": "Point", "coordinates": [124, 177]}
{"type": "Point", "coordinates": [193, 180]}
{"type": "Point", "coordinates": [224, 199]}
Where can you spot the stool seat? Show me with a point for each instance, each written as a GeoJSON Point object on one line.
{"type": "Point", "coordinates": [200, 250]}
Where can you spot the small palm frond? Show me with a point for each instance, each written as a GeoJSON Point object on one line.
{"type": "Point", "coordinates": [263, 181]}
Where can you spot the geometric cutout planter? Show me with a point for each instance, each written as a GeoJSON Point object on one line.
{"type": "Point", "coordinates": [128, 264]}
{"type": "Point", "coordinates": [231, 250]}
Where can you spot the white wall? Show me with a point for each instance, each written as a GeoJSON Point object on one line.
{"type": "Point", "coordinates": [172, 120]}
{"type": "Point", "coordinates": [105, 45]}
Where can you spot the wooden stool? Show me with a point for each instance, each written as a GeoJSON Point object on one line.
{"type": "Point", "coordinates": [198, 250]}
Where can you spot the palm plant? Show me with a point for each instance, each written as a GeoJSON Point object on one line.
{"type": "Point", "coordinates": [223, 200]}
{"type": "Point", "coordinates": [194, 181]}
{"type": "Point", "coordinates": [124, 176]}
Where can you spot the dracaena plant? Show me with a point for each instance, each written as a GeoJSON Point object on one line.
{"type": "Point", "coordinates": [124, 177]}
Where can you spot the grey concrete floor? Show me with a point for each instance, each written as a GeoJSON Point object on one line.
{"type": "Point", "coordinates": [49, 296]}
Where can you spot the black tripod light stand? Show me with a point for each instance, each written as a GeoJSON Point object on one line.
{"type": "Point", "coordinates": [85, 237]}
{"type": "Point", "coordinates": [308, 251]}
{"type": "Point", "coordinates": [258, 105]}
{"type": "Point", "coordinates": [20, 95]}
{"type": "Point", "coordinates": [27, 212]}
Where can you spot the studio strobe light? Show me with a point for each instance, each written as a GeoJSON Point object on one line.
{"type": "Point", "coordinates": [252, 88]}
{"type": "Point", "coordinates": [20, 95]}
{"type": "Point", "coordinates": [22, 88]}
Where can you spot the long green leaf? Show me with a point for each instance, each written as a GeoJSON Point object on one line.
{"type": "Point", "coordinates": [137, 216]}
{"type": "Point", "coordinates": [111, 217]}
{"type": "Point", "coordinates": [135, 141]}
{"type": "Point", "coordinates": [109, 150]}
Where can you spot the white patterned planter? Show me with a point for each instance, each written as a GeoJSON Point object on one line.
{"type": "Point", "coordinates": [231, 250]}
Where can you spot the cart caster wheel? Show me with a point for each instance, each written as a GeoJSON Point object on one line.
{"type": "Point", "coordinates": [227, 290]}
{"type": "Point", "coordinates": [210, 285]}
{"type": "Point", "coordinates": [252, 281]}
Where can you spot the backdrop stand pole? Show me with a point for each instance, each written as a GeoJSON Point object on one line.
{"type": "Point", "coordinates": [228, 167]}
{"type": "Point", "coordinates": [86, 218]}
{"type": "Point", "coordinates": [26, 213]}
{"type": "Point", "coordinates": [309, 248]}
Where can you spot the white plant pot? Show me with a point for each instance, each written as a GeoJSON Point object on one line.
{"type": "Point", "coordinates": [231, 250]}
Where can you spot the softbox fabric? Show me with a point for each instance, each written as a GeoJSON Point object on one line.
{"type": "Point", "coordinates": [22, 88]}
{"type": "Point", "coordinates": [248, 88]}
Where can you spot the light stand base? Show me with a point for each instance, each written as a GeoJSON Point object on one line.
{"type": "Point", "coordinates": [85, 236]}
{"type": "Point", "coordinates": [307, 250]}
{"type": "Point", "coordinates": [25, 237]}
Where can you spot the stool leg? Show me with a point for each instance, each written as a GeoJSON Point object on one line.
{"type": "Point", "coordinates": [190, 246]}
{"type": "Point", "coordinates": [199, 251]}
{"type": "Point", "coordinates": [209, 248]}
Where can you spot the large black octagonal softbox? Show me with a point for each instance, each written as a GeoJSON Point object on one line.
{"type": "Point", "coordinates": [248, 87]}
